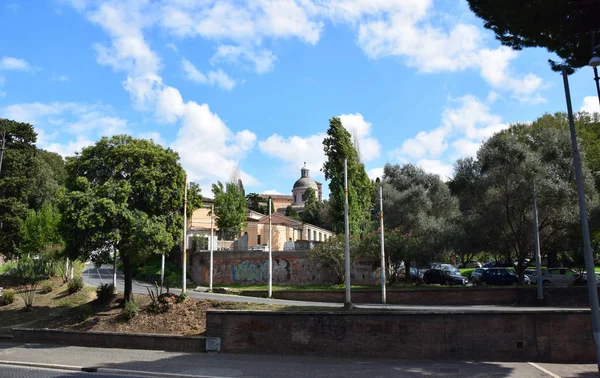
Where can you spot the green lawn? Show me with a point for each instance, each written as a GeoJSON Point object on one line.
{"type": "Point", "coordinates": [7, 266]}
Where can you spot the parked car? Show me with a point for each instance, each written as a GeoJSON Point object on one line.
{"type": "Point", "coordinates": [449, 267]}
{"type": "Point", "coordinates": [415, 275]}
{"type": "Point", "coordinates": [470, 264]}
{"type": "Point", "coordinates": [443, 277]}
{"type": "Point", "coordinates": [263, 248]}
{"type": "Point", "coordinates": [532, 275]}
{"type": "Point", "coordinates": [498, 264]}
{"type": "Point", "coordinates": [499, 276]}
{"type": "Point", "coordinates": [559, 277]}
{"type": "Point", "coordinates": [476, 274]}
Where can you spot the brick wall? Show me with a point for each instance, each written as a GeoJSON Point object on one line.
{"type": "Point", "coordinates": [289, 268]}
{"type": "Point", "coordinates": [559, 336]}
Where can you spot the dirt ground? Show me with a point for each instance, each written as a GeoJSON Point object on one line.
{"type": "Point", "coordinates": [81, 311]}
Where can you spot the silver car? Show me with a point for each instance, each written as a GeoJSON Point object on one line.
{"type": "Point", "coordinates": [559, 277]}
{"type": "Point", "coordinates": [476, 275]}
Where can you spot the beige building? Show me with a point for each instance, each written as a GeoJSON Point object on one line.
{"type": "Point", "coordinates": [256, 233]}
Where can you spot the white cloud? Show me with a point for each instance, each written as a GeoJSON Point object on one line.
{"type": "Point", "coordinates": [590, 104]}
{"type": "Point", "coordinates": [65, 127]}
{"type": "Point", "coordinates": [444, 170]}
{"type": "Point", "coordinates": [218, 77]}
{"type": "Point", "coordinates": [273, 191]}
{"type": "Point", "coordinates": [360, 130]}
{"type": "Point", "coordinates": [296, 150]}
{"type": "Point", "coordinates": [9, 63]}
{"type": "Point", "coordinates": [375, 173]}
{"type": "Point", "coordinates": [463, 128]}
{"type": "Point", "coordinates": [62, 78]}
{"type": "Point", "coordinates": [263, 60]}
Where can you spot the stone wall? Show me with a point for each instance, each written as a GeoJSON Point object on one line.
{"type": "Point", "coordinates": [289, 268]}
{"type": "Point", "coordinates": [550, 336]}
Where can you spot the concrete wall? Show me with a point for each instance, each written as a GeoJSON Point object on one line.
{"type": "Point", "coordinates": [559, 336]}
{"type": "Point", "coordinates": [110, 339]}
{"type": "Point", "coordinates": [289, 268]}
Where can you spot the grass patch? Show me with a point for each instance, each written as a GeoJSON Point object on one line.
{"type": "Point", "coordinates": [466, 271]}
{"type": "Point", "coordinates": [7, 266]}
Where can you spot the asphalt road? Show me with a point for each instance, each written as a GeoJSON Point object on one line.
{"type": "Point", "coordinates": [225, 365]}
{"type": "Point", "coordinates": [95, 276]}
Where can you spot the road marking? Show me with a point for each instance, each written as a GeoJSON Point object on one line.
{"type": "Point", "coordinates": [544, 370]}
{"type": "Point", "coordinates": [99, 275]}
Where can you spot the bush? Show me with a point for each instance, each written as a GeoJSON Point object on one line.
{"type": "Point", "coordinates": [105, 293]}
{"type": "Point", "coordinates": [182, 298]}
{"type": "Point", "coordinates": [47, 287]}
{"type": "Point", "coordinates": [75, 284]}
{"type": "Point", "coordinates": [8, 296]}
{"type": "Point", "coordinates": [83, 312]}
{"type": "Point", "coordinates": [130, 310]}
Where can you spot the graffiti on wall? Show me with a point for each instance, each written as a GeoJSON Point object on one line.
{"type": "Point", "coordinates": [328, 325]}
{"type": "Point", "coordinates": [258, 271]}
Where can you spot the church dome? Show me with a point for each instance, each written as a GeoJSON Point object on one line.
{"type": "Point", "coordinates": [305, 182]}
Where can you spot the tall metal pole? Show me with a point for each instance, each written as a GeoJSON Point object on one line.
{"type": "Point", "coordinates": [383, 266]}
{"type": "Point", "coordinates": [594, 63]}
{"type": "Point", "coordinates": [597, 79]}
{"type": "Point", "coordinates": [270, 255]}
{"type": "Point", "coordinates": [184, 273]}
{"type": "Point", "coordinates": [162, 272]}
{"type": "Point", "coordinates": [587, 247]}
{"type": "Point", "coordinates": [210, 284]}
{"type": "Point", "coordinates": [3, 142]}
{"type": "Point", "coordinates": [538, 257]}
{"type": "Point", "coordinates": [348, 304]}
{"type": "Point", "coordinates": [114, 268]}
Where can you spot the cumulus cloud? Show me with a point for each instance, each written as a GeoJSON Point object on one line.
{"type": "Point", "coordinates": [590, 104]}
{"type": "Point", "coordinates": [219, 77]}
{"type": "Point", "coordinates": [66, 127]}
{"type": "Point", "coordinates": [463, 128]}
{"type": "Point", "coordinates": [9, 63]}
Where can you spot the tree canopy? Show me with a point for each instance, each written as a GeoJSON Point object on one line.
{"type": "Point", "coordinates": [231, 208]}
{"type": "Point", "coordinates": [338, 146]}
{"type": "Point", "coordinates": [18, 166]}
{"type": "Point", "coordinates": [563, 27]}
{"type": "Point", "coordinates": [124, 194]}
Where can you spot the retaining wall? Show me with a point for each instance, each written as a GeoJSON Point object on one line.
{"type": "Point", "coordinates": [289, 268]}
{"type": "Point", "coordinates": [558, 336]}
{"type": "Point", "coordinates": [110, 339]}
{"type": "Point", "coordinates": [520, 296]}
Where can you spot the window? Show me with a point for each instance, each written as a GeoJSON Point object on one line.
{"type": "Point", "coordinates": [258, 239]}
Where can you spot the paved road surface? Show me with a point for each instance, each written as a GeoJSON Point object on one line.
{"type": "Point", "coordinates": [93, 276]}
{"type": "Point", "coordinates": [224, 365]}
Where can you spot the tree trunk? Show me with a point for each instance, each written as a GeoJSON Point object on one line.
{"type": "Point", "coordinates": [552, 257]}
{"type": "Point", "coordinates": [128, 294]}
{"type": "Point", "coordinates": [407, 271]}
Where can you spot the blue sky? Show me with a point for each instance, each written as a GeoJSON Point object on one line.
{"type": "Point", "coordinates": [252, 84]}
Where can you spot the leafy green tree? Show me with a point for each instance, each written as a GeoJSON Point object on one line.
{"type": "Point", "coordinates": [231, 208]}
{"type": "Point", "coordinates": [331, 255]}
{"type": "Point", "coordinates": [258, 203]}
{"type": "Point", "coordinates": [311, 207]}
{"type": "Point", "coordinates": [420, 204]}
{"type": "Point", "coordinates": [291, 212]}
{"type": "Point", "coordinates": [124, 194]}
{"type": "Point", "coordinates": [495, 189]}
{"type": "Point", "coordinates": [338, 146]}
{"type": "Point", "coordinates": [563, 27]}
{"type": "Point", "coordinates": [40, 232]}
{"type": "Point", "coordinates": [18, 166]}
{"type": "Point", "coordinates": [50, 176]}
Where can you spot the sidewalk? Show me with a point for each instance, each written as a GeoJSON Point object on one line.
{"type": "Point", "coordinates": [223, 365]}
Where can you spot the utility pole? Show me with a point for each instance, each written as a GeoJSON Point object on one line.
{"type": "Point", "coordinates": [587, 246]}
{"type": "Point", "coordinates": [210, 284]}
{"type": "Point", "coordinates": [270, 254]}
{"type": "Point", "coordinates": [348, 304]}
{"type": "Point", "coordinates": [3, 143]}
{"type": "Point", "coordinates": [538, 257]}
{"type": "Point", "coordinates": [184, 275]}
{"type": "Point", "coordinates": [383, 266]}
{"type": "Point", "coordinates": [115, 268]}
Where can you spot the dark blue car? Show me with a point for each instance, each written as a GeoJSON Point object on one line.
{"type": "Point", "coordinates": [499, 276]}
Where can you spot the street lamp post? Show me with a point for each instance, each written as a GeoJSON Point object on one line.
{"type": "Point", "coordinates": [595, 62]}
{"type": "Point", "coordinates": [587, 246]}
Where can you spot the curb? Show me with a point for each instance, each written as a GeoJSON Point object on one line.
{"type": "Point", "coordinates": [94, 369]}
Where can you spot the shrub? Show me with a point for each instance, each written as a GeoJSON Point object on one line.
{"type": "Point", "coordinates": [29, 272]}
{"type": "Point", "coordinates": [75, 284]}
{"type": "Point", "coordinates": [8, 296]}
{"type": "Point", "coordinates": [105, 293]}
{"type": "Point", "coordinates": [47, 287]}
{"type": "Point", "coordinates": [83, 312]}
{"type": "Point", "coordinates": [182, 298]}
{"type": "Point", "coordinates": [130, 310]}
